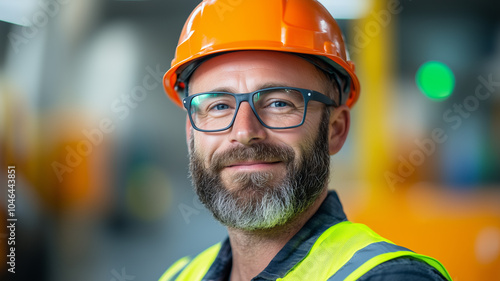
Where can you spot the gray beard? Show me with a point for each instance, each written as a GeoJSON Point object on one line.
{"type": "Point", "coordinates": [261, 201]}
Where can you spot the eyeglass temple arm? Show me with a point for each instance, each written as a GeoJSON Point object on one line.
{"type": "Point", "coordinates": [322, 98]}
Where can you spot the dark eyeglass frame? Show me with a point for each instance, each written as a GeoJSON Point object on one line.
{"type": "Point", "coordinates": [308, 95]}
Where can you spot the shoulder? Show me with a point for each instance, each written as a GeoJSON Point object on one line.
{"type": "Point", "coordinates": [367, 255]}
{"type": "Point", "coordinates": [403, 268]}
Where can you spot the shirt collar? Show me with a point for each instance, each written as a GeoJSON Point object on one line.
{"type": "Point", "coordinates": [329, 213]}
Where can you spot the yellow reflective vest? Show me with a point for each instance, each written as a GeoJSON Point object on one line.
{"type": "Point", "coordinates": [328, 247]}
{"type": "Point", "coordinates": [345, 251]}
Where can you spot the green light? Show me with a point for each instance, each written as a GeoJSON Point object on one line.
{"type": "Point", "coordinates": [436, 80]}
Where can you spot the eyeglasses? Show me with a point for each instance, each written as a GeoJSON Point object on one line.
{"type": "Point", "coordinates": [275, 108]}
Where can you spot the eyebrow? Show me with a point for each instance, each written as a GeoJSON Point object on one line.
{"type": "Point", "coordinates": [261, 86]}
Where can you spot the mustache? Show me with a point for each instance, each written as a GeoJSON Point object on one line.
{"type": "Point", "coordinates": [255, 152]}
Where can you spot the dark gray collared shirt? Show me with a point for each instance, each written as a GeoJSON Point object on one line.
{"type": "Point", "coordinates": [329, 214]}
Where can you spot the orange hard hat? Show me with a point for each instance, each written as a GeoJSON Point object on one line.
{"type": "Point", "coordinates": [294, 26]}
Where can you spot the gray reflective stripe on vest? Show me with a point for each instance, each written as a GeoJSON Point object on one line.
{"type": "Point", "coordinates": [364, 255]}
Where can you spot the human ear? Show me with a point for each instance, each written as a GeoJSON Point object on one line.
{"type": "Point", "coordinates": [340, 121]}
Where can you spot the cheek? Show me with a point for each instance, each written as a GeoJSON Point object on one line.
{"type": "Point", "coordinates": [205, 146]}
{"type": "Point", "coordinates": [302, 136]}
{"type": "Point", "coordinates": [302, 140]}
{"type": "Point", "coordinates": [299, 141]}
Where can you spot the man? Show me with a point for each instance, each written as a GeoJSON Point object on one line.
{"type": "Point", "coordinates": [267, 86]}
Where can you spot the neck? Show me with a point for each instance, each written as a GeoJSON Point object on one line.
{"type": "Point", "coordinates": [254, 250]}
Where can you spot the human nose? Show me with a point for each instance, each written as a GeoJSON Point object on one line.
{"type": "Point", "coordinates": [246, 128]}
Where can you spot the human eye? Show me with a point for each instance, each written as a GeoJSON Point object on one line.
{"type": "Point", "coordinates": [220, 106]}
{"type": "Point", "coordinates": [280, 104]}
{"type": "Point", "coordinates": [278, 99]}
{"type": "Point", "coordinates": [212, 103]}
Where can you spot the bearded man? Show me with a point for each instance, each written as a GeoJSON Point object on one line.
{"type": "Point", "coordinates": [268, 88]}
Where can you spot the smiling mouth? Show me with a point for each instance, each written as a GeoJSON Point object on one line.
{"type": "Point", "coordinates": [251, 165]}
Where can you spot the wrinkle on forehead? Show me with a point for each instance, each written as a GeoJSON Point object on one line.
{"type": "Point", "coordinates": [247, 71]}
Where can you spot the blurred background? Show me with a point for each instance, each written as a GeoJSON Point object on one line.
{"type": "Point", "coordinates": [102, 191]}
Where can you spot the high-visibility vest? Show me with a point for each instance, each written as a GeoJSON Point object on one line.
{"type": "Point", "coordinates": [345, 251]}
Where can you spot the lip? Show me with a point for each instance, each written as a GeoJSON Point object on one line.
{"type": "Point", "coordinates": [253, 165]}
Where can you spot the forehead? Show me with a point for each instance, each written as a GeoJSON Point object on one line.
{"type": "Point", "coordinates": [250, 70]}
